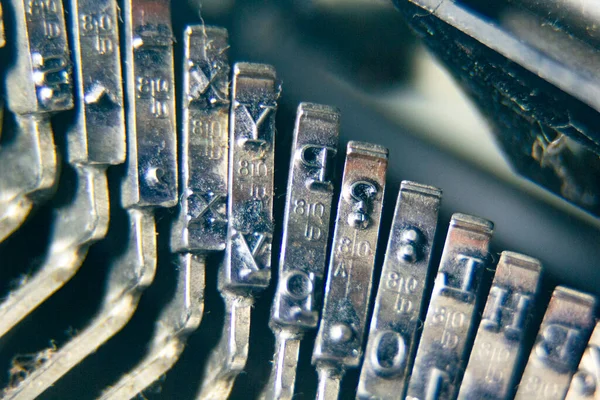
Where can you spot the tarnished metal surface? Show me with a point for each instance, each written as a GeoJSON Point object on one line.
{"type": "Point", "coordinates": [202, 221]}
{"type": "Point", "coordinates": [246, 269]}
{"type": "Point", "coordinates": [98, 137]}
{"type": "Point", "coordinates": [305, 237]}
{"type": "Point", "coordinates": [40, 84]}
{"type": "Point", "coordinates": [538, 86]}
{"type": "Point", "coordinates": [498, 346]}
{"type": "Point", "coordinates": [84, 220]}
{"type": "Point", "coordinates": [399, 304]}
{"type": "Point", "coordinates": [448, 326]}
{"type": "Point", "coordinates": [561, 340]}
{"type": "Point", "coordinates": [201, 226]}
{"type": "Point", "coordinates": [40, 80]}
{"type": "Point", "coordinates": [578, 16]}
{"type": "Point", "coordinates": [342, 329]}
{"type": "Point", "coordinates": [585, 384]}
{"type": "Point", "coordinates": [148, 53]}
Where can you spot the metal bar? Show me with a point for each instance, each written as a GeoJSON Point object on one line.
{"type": "Point", "coordinates": [560, 343]}
{"type": "Point", "coordinates": [443, 349]}
{"type": "Point", "coordinates": [85, 220]}
{"type": "Point", "coordinates": [180, 318]}
{"type": "Point", "coordinates": [341, 333]}
{"type": "Point", "coordinates": [96, 141]}
{"type": "Point", "coordinates": [246, 270]}
{"type": "Point", "coordinates": [578, 16]}
{"type": "Point", "coordinates": [498, 346]}
{"type": "Point", "coordinates": [586, 381]}
{"type": "Point", "coordinates": [39, 83]}
{"type": "Point", "coordinates": [201, 224]}
{"type": "Point", "coordinates": [305, 238]}
{"type": "Point", "coordinates": [150, 80]}
{"type": "Point", "coordinates": [393, 334]}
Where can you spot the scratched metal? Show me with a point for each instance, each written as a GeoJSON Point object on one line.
{"type": "Point", "coordinates": [498, 346]}
{"type": "Point", "coordinates": [585, 384]}
{"type": "Point", "coordinates": [560, 343]}
{"type": "Point", "coordinates": [133, 271]}
{"type": "Point", "coordinates": [341, 332]}
{"type": "Point", "coordinates": [96, 140]}
{"type": "Point", "coordinates": [246, 269]}
{"type": "Point", "coordinates": [40, 79]}
{"type": "Point", "coordinates": [247, 266]}
{"type": "Point", "coordinates": [202, 221]}
{"type": "Point", "coordinates": [151, 132]}
{"type": "Point", "coordinates": [39, 82]}
{"type": "Point", "coordinates": [305, 237]}
{"type": "Point", "coordinates": [201, 226]}
{"type": "Point", "coordinates": [393, 334]}
{"type": "Point", "coordinates": [448, 326]}
{"type": "Point", "coordinates": [99, 133]}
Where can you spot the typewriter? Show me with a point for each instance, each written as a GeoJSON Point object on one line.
{"type": "Point", "coordinates": [322, 199]}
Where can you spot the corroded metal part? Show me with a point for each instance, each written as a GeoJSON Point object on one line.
{"type": "Point", "coordinates": [246, 270]}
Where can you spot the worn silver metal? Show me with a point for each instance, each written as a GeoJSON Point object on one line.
{"type": "Point", "coordinates": [202, 221]}
{"type": "Point", "coordinates": [84, 220]}
{"type": "Point", "coordinates": [341, 332]}
{"type": "Point", "coordinates": [201, 224]}
{"type": "Point", "coordinates": [149, 53]}
{"type": "Point", "coordinates": [246, 270]}
{"type": "Point", "coordinates": [39, 82]}
{"type": "Point", "coordinates": [498, 346]}
{"type": "Point", "coordinates": [179, 319]}
{"type": "Point", "coordinates": [98, 137]}
{"type": "Point", "coordinates": [443, 349]}
{"type": "Point", "coordinates": [560, 343]}
{"type": "Point", "coordinates": [393, 336]}
{"type": "Point", "coordinates": [96, 141]}
{"type": "Point", "coordinates": [305, 237]}
{"type": "Point", "coordinates": [585, 384]}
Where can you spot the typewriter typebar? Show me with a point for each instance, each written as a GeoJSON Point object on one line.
{"type": "Point", "coordinates": [151, 180]}
{"type": "Point", "coordinates": [396, 316]}
{"type": "Point", "coordinates": [201, 225]}
{"type": "Point", "coordinates": [490, 373]}
{"type": "Point", "coordinates": [449, 322]}
{"type": "Point", "coordinates": [584, 385]}
{"type": "Point", "coordinates": [40, 84]}
{"type": "Point", "coordinates": [110, 184]}
{"type": "Point", "coordinates": [147, 26]}
{"type": "Point", "coordinates": [342, 329]}
{"type": "Point", "coordinates": [303, 257]}
{"type": "Point", "coordinates": [560, 343]}
{"type": "Point", "coordinates": [246, 269]}
{"type": "Point", "coordinates": [96, 141]}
